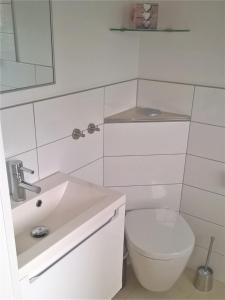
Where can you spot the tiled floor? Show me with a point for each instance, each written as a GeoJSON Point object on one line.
{"type": "Point", "coordinates": [183, 289]}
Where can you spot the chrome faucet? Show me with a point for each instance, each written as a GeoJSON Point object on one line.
{"type": "Point", "coordinates": [17, 184]}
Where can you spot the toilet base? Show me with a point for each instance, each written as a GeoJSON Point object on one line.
{"type": "Point", "coordinates": [157, 275]}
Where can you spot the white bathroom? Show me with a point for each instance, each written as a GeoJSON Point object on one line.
{"type": "Point", "coordinates": [112, 149]}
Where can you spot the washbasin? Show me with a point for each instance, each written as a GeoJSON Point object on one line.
{"type": "Point", "coordinates": [68, 207]}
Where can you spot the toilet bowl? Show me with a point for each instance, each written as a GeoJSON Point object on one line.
{"type": "Point", "coordinates": [159, 243]}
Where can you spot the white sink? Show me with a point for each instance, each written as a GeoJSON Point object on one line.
{"type": "Point", "coordinates": [70, 208]}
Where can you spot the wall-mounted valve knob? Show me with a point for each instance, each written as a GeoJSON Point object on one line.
{"type": "Point", "coordinates": [92, 128]}
{"type": "Point", "coordinates": [77, 133]}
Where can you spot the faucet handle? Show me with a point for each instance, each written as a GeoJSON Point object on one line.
{"type": "Point", "coordinates": [92, 128]}
{"type": "Point", "coordinates": [27, 170]}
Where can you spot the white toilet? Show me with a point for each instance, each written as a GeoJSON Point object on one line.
{"type": "Point", "coordinates": [159, 243]}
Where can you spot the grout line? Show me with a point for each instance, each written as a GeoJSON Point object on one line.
{"type": "Point", "coordinates": [21, 153]}
{"type": "Point", "coordinates": [52, 142]}
{"type": "Point", "coordinates": [94, 88]}
{"type": "Point", "coordinates": [144, 155]}
{"type": "Point", "coordinates": [40, 146]}
{"type": "Point", "coordinates": [65, 137]}
{"type": "Point", "coordinates": [188, 138]}
{"type": "Point", "coordinates": [204, 190]}
{"type": "Point", "coordinates": [143, 185]}
{"type": "Point", "coordinates": [35, 135]}
{"type": "Point", "coordinates": [184, 83]}
{"type": "Point", "coordinates": [86, 165]}
{"type": "Point", "coordinates": [203, 157]}
{"type": "Point", "coordinates": [63, 95]}
{"type": "Point", "coordinates": [202, 219]}
{"type": "Point", "coordinates": [207, 124]}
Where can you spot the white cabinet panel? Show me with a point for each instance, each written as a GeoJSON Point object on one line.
{"type": "Point", "coordinates": [67, 155]}
{"type": "Point", "coordinates": [209, 106]}
{"type": "Point", "coordinates": [18, 129]}
{"type": "Point", "coordinates": [143, 170]}
{"type": "Point", "coordinates": [93, 270]}
{"type": "Point", "coordinates": [206, 174]}
{"type": "Point", "coordinates": [145, 138]}
{"type": "Point", "coordinates": [155, 196]}
{"type": "Point", "coordinates": [119, 97]}
{"type": "Point", "coordinates": [58, 117]}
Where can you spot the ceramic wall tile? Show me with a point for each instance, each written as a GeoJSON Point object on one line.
{"type": "Point", "coordinates": [169, 97]}
{"type": "Point", "coordinates": [120, 97]}
{"type": "Point", "coordinates": [18, 129]}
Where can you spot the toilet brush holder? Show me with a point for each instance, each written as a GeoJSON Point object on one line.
{"type": "Point", "coordinates": [204, 275]}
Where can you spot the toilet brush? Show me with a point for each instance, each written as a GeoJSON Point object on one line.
{"type": "Point", "coordinates": [204, 275]}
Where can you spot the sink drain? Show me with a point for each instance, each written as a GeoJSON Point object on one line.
{"type": "Point", "coordinates": [39, 232]}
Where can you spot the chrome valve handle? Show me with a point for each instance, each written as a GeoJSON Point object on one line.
{"type": "Point", "coordinates": [77, 133]}
{"type": "Point", "coordinates": [92, 128]}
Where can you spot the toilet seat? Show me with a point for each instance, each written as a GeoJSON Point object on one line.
{"type": "Point", "coordinates": [159, 234]}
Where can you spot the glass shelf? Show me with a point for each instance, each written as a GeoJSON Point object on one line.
{"type": "Point", "coordinates": [150, 30]}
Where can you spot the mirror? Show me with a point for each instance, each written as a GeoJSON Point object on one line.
{"type": "Point", "coordinates": [26, 46]}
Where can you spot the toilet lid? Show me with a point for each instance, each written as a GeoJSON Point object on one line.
{"type": "Point", "coordinates": [159, 233]}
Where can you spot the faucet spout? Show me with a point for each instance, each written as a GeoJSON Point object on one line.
{"type": "Point", "coordinates": [30, 187]}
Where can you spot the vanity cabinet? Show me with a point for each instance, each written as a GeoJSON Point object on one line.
{"type": "Point", "coordinates": [93, 269]}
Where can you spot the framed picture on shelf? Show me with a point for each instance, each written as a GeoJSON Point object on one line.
{"type": "Point", "coordinates": [145, 15]}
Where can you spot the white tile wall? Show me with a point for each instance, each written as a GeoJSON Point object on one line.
{"type": "Point", "coordinates": [18, 129]}
{"type": "Point", "coordinates": [68, 155]}
{"type": "Point", "coordinates": [149, 181]}
{"type": "Point", "coordinates": [207, 141]}
{"type": "Point", "coordinates": [143, 170]}
{"type": "Point", "coordinates": [169, 97]}
{"type": "Point", "coordinates": [217, 262]}
{"type": "Point", "coordinates": [92, 172]}
{"type": "Point", "coordinates": [203, 230]}
{"type": "Point", "coordinates": [145, 138]}
{"type": "Point", "coordinates": [206, 174]}
{"type": "Point", "coordinates": [155, 196]}
{"type": "Point", "coordinates": [58, 117]}
{"type": "Point", "coordinates": [209, 106]}
{"type": "Point", "coordinates": [29, 160]}
{"type": "Point", "coordinates": [120, 97]}
{"type": "Point", "coordinates": [206, 205]}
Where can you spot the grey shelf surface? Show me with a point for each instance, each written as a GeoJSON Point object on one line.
{"type": "Point", "coordinates": [140, 114]}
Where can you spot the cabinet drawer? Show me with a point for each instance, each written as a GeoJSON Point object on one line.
{"type": "Point", "coordinates": [145, 138]}
{"type": "Point", "coordinates": [92, 270]}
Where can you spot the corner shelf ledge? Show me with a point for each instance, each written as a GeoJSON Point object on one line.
{"type": "Point", "coordinates": [122, 29]}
